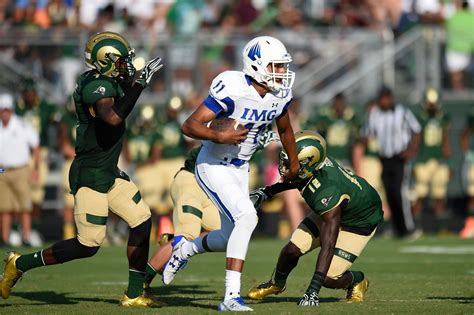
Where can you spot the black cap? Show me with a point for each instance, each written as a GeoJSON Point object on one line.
{"type": "Point", "coordinates": [28, 84]}
{"type": "Point", "coordinates": [385, 91]}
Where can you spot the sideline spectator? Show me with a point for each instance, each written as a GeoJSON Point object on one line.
{"type": "Point", "coordinates": [460, 44]}
{"type": "Point", "coordinates": [18, 140]}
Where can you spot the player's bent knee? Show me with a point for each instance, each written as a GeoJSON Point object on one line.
{"type": "Point", "coordinates": [248, 221]}
{"type": "Point", "coordinates": [71, 249]}
{"type": "Point", "coordinates": [140, 235]}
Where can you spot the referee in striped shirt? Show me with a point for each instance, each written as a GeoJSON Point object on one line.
{"type": "Point", "coordinates": [398, 134]}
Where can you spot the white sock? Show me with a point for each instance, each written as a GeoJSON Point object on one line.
{"type": "Point", "coordinates": [232, 284]}
{"type": "Point", "coordinates": [189, 249]}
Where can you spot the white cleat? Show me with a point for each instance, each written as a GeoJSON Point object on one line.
{"type": "Point", "coordinates": [176, 262]}
{"type": "Point", "coordinates": [234, 305]}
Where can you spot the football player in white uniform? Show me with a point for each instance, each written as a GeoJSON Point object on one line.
{"type": "Point", "coordinates": [253, 97]}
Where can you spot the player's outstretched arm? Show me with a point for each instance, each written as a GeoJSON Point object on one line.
{"type": "Point", "coordinates": [287, 138]}
{"type": "Point", "coordinates": [115, 112]}
{"type": "Point", "coordinates": [196, 127]}
{"type": "Point", "coordinates": [328, 236]}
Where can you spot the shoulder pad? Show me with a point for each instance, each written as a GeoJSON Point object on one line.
{"type": "Point", "coordinates": [98, 88]}
{"type": "Point", "coordinates": [231, 84]}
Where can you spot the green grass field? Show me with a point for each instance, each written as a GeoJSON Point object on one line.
{"type": "Point", "coordinates": [405, 277]}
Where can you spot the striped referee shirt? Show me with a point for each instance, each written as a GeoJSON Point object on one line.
{"type": "Point", "coordinates": [392, 128]}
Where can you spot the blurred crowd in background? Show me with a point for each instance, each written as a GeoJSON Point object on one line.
{"type": "Point", "coordinates": [155, 148]}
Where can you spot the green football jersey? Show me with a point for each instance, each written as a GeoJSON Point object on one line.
{"type": "Point", "coordinates": [333, 184]}
{"type": "Point", "coordinates": [171, 139]}
{"type": "Point", "coordinates": [98, 144]}
{"type": "Point", "coordinates": [39, 116]}
{"type": "Point", "coordinates": [432, 135]}
{"type": "Point", "coordinates": [190, 163]}
{"type": "Point", "coordinates": [339, 132]}
{"type": "Point", "coordinates": [70, 120]}
{"type": "Point", "coordinates": [140, 143]}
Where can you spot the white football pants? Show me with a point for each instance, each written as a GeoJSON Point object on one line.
{"type": "Point", "coordinates": [227, 186]}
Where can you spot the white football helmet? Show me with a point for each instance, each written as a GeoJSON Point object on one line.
{"type": "Point", "coordinates": [263, 51]}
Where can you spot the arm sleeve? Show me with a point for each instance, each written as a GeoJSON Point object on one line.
{"type": "Point", "coordinates": [279, 187]}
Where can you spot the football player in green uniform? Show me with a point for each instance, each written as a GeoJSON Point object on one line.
{"type": "Point", "coordinates": [41, 115]}
{"type": "Point", "coordinates": [104, 97]}
{"type": "Point", "coordinates": [346, 212]}
{"type": "Point", "coordinates": [141, 149]}
{"type": "Point", "coordinates": [339, 125]}
{"type": "Point", "coordinates": [67, 142]}
{"type": "Point", "coordinates": [432, 165]}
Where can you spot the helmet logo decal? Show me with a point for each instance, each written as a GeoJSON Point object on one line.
{"type": "Point", "coordinates": [254, 52]}
{"type": "Point", "coordinates": [100, 90]}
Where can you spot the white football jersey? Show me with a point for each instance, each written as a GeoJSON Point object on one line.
{"type": "Point", "coordinates": [232, 95]}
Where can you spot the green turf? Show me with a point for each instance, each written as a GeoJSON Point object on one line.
{"type": "Point", "coordinates": [400, 282]}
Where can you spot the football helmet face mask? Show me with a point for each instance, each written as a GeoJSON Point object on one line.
{"type": "Point", "coordinates": [111, 55]}
{"type": "Point", "coordinates": [311, 151]}
{"type": "Point", "coordinates": [267, 61]}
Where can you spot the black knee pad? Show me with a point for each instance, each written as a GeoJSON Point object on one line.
{"type": "Point", "coordinates": [71, 249]}
{"type": "Point", "coordinates": [140, 236]}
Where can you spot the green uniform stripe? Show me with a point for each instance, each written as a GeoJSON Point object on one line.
{"type": "Point", "coordinates": [192, 210]}
{"type": "Point", "coordinates": [345, 255]}
{"type": "Point", "coordinates": [311, 226]}
{"type": "Point", "coordinates": [137, 197]}
{"type": "Point", "coordinates": [95, 219]}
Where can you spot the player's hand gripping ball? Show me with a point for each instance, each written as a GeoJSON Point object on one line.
{"type": "Point", "coordinates": [230, 131]}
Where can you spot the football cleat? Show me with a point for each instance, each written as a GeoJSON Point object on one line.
{"type": "Point", "coordinates": [356, 293]}
{"type": "Point", "coordinates": [176, 262]}
{"type": "Point", "coordinates": [260, 291]}
{"type": "Point", "coordinates": [10, 274]}
{"type": "Point", "coordinates": [236, 304]}
{"type": "Point", "coordinates": [139, 301]}
{"type": "Point", "coordinates": [165, 238]}
{"type": "Point", "coordinates": [147, 289]}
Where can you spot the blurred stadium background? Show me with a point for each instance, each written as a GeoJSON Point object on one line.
{"type": "Point", "coordinates": [338, 46]}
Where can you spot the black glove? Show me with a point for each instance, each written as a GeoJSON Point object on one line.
{"type": "Point", "coordinates": [151, 67]}
{"type": "Point", "coordinates": [258, 196]}
{"type": "Point", "coordinates": [309, 299]}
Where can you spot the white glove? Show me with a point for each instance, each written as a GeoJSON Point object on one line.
{"type": "Point", "coordinates": [309, 299]}
{"type": "Point", "coordinates": [266, 138]}
{"type": "Point", "coordinates": [258, 196]}
{"type": "Point", "coordinates": [151, 67]}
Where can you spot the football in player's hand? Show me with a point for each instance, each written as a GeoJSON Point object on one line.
{"type": "Point", "coordinates": [224, 124]}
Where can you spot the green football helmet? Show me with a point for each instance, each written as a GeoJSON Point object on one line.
{"type": "Point", "coordinates": [311, 151]}
{"type": "Point", "coordinates": [111, 55]}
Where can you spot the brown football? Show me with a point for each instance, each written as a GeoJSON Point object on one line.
{"type": "Point", "coordinates": [225, 123]}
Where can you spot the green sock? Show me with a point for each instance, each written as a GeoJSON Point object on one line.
{"type": "Point", "coordinates": [316, 282]}
{"type": "Point", "coordinates": [135, 283]}
{"type": "Point", "coordinates": [150, 273]}
{"type": "Point", "coordinates": [357, 276]}
{"type": "Point", "coordinates": [29, 261]}
{"type": "Point", "coordinates": [280, 279]}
